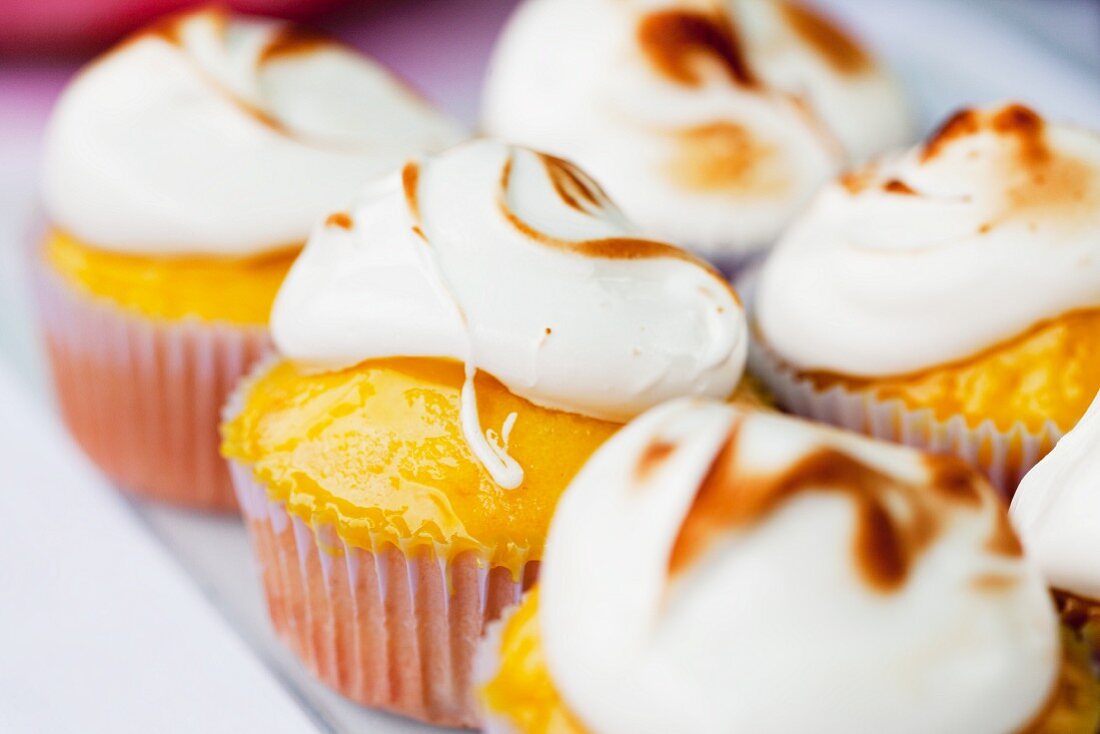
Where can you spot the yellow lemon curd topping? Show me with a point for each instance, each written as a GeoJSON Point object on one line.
{"type": "Point", "coordinates": [377, 451]}
{"type": "Point", "coordinates": [1051, 372]}
{"type": "Point", "coordinates": [522, 691]}
{"type": "Point", "coordinates": [234, 290]}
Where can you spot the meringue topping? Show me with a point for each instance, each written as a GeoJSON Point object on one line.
{"type": "Point", "coordinates": [711, 121]}
{"type": "Point", "coordinates": [212, 134]}
{"type": "Point", "coordinates": [714, 569]}
{"type": "Point", "coordinates": [933, 255]}
{"type": "Point", "coordinates": [518, 264]}
{"type": "Point", "coordinates": [1057, 509]}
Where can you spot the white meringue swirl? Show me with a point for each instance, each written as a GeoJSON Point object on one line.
{"type": "Point", "coordinates": [711, 122]}
{"type": "Point", "coordinates": [517, 264]}
{"type": "Point", "coordinates": [712, 569]}
{"type": "Point", "coordinates": [210, 134]}
{"type": "Point", "coordinates": [936, 254]}
{"type": "Point", "coordinates": [1057, 509]}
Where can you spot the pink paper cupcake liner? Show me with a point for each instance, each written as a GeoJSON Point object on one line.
{"type": "Point", "coordinates": [143, 396]}
{"type": "Point", "coordinates": [391, 628]}
{"type": "Point", "coordinates": [1003, 455]}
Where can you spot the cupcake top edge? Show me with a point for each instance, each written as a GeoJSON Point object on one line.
{"type": "Point", "coordinates": [851, 585]}
{"type": "Point", "coordinates": [933, 255]}
{"type": "Point", "coordinates": [215, 134]}
{"type": "Point", "coordinates": [711, 122]}
{"type": "Point", "coordinates": [1057, 509]}
{"type": "Point", "coordinates": [516, 263]}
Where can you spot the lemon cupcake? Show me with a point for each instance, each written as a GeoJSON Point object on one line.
{"type": "Point", "coordinates": [947, 296]}
{"type": "Point", "coordinates": [711, 122]}
{"type": "Point", "coordinates": [454, 346]}
{"type": "Point", "coordinates": [717, 569]}
{"type": "Point", "coordinates": [1057, 511]}
{"type": "Point", "coordinates": [183, 171]}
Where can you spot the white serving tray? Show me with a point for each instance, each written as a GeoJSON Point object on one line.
{"type": "Point", "coordinates": [122, 616]}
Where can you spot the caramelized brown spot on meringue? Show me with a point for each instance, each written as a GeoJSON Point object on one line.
{"type": "Point", "coordinates": [724, 156]}
{"type": "Point", "coordinates": [675, 41]}
{"type": "Point", "coordinates": [715, 509]}
{"type": "Point", "coordinates": [959, 125]}
{"type": "Point", "coordinates": [993, 582]}
{"type": "Point", "coordinates": [897, 186]}
{"type": "Point", "coordinates": [410, 182]}
{"type": "Point", "coordinates": [896, 519]}
{"type": "Point", "coordinates": [1015, 120]}
{"type": "Point", "coordinates": [1003, 540]}
{"type": "Point", "coordinates": [291, 40]}
{"type": "Point", "coordinates": [170, 27]}
{"type": "Point", "coordinates": [612, 248]}
{"type": "Point", "coordinates": [857, 180]}
{"type": "Point", "coordinates": [830, 42]}
{"type": "Point", "coordinates": [954, 478]}
{"type": "Point", "coordinates": [571, 184]}
{"type": "Point", "coordinates": [652, 458]}
{"type": "Point", "coordinates": [1027, 127]}
{"type": "Point", "coordinates": [339, 219]}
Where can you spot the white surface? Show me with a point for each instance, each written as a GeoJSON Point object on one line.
{"type": "Point", "coordinates": [100, 631]}
{"type": "Point", "coordinates": [979, 58]}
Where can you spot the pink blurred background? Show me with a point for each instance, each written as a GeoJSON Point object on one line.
{"type": "Point", "coordinates": [70, 26]}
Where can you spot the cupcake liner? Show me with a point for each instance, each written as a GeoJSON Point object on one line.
{"type": "Point", "coordinates": [391, 628]}
{"type": "Point", "coordinates": [143, 396]}
{"type": "Point", "coordinates": [1004, 456]}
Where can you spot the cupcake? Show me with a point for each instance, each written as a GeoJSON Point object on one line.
{"type": "Point", "coordinates": [948, 296]}
{"type": "Point", "coordinates": [717, 569]}
{"type": "Point", "coordinates": [453, 347]}
{"type": "Point", "coordinates": [183, 171]}
{"type": "Point", "coordinates": [1057, 512]}
{"type": "Point", "coordinates": [711, 123]}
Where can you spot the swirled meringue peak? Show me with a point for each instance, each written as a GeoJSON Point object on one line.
{"type": "Point", "coordinates": [515, 263]}
{"type": "Point", "coordinates": [710, 121]}
{"type": "Point", "coordinates": [214, 134]}
{"type": "Point", "coordinates": [1057, 509]}
{"type": "Point", "coordinates": [933, 255]}
{"type": "Point", "coordinates": [714, 569]}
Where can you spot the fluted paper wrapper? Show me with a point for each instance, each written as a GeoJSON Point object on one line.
{"type": "Point", "coordinates": [143, 396]}
{"type": "Point", "coordinates": [1004, 456]}
{"type": "Point", "coordinates": [391, 628]}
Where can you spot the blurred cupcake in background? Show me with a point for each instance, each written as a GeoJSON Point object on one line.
{"type": "Point", "coordinates": [1057, 512]}
{"type": "Point", "coordinates": [453, 347]}
{"type": "Point", "coordinates": [948, 296]}
{"type": "Point", "coordinates": [716, 569]}
{"type": "Point", "coordinates": [711, 122]}
{"type": "Point", "coordinates": [183, 171]}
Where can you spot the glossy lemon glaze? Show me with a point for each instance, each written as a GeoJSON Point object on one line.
{"type": "Point", "coordinates": [377, 451]}
{"type": "Point", "coordinates": [234, 290]}
{"type": "Point", "coordinates": [522, 692]}
{"type": "Point", "coordinates": [1051, 372]}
